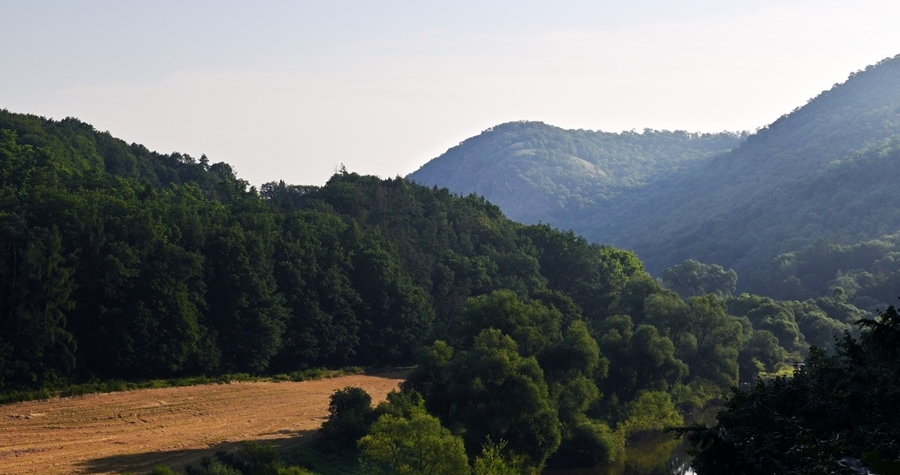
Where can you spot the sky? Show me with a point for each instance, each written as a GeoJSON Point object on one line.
{"type": "Point", "coordinates": [293, 90]}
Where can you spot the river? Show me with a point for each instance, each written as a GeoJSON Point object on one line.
{"type": "Point", "coordinates": [662, 455]}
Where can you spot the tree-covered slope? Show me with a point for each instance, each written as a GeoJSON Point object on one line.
{"type": "Point", "coordinates": [116, 262]}
{"type": "Point", "coordinates": [826, 171]}
{"type": "Point", "coordinates": [822, 174]}
{"type": "Point", "coordinates": [119, 262]}
{"type": "Point", "coordinates": [540, 173]}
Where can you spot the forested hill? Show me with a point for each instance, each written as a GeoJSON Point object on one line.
{"type": "Point", "coordinates": [824, 173]}
{"type": "Point", "coordinates": [117, 262]}
{"type": "Point", "coordinates": [539, 173]}
{"type": "Point", "coordinates": [819, 181]}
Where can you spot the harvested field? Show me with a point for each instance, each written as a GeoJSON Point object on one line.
{"type": "Point", "coordinates": [134, 431]}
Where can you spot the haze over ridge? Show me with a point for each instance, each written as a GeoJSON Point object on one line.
{"type": "Point", "coordinates": [822, 171]}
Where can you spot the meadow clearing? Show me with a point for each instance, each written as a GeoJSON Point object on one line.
{"type": "Point", "coordinates": [134, 431]}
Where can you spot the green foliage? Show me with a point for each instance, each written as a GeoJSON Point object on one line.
{"type": "Point", "coordinates": [395, 313]}
{"type": "Point", "coordinates": [692, 279]}
{"type": "Point", "coordinates": [495, 460]}
{"type": "Point", "coordinates": [711, 346]}
{"type": "Point", "coordinates": [761, 354]}
{"type": "Point", "coordinates": [805, 204]}
{"type": "Point", "coordinates": [409, 441]}
{"type": "Point", "coordinates": [555, 175]}
{"type": "Point", "coordinates": [589, 443]}
{"type": "Point", "coordinates": [863, 273]}
{"type": "Point", "coordinates": [473, 388]}
{"type": "Point", "coordinates": [350, 414]}
{"type": "Point", "coordinates": [293, 470]}
{"type": "Point", "coordinates": [245, 308]}
{"type": "Point", "coordinates": [794, 325]}
{"type": "Point", "coordinates": [431, 377]}
{"type": "Point", "coordinates": [532, 325]}
{"type": "Point", "coordinates": [823, 171]}
{"type": "Point", "coordinates": [162, 470]}
{"type": "Point", "coordinates": [212, 467]}
{"type": "Point", "coordinates": [312, 271]}
{"type": "Point", "coordinates": [32, 322]}
{"type": "Point", "coordinates": [651, 411]}
{"type": "Point", "coordinates": [248, 458]}
{"type": "Point", "coordinates": [640, 359]}
{"type": "Point", "coordinates": [593, 276]}
{"type": "Point", "coordinates": [572, 366]}
{"type": "Point", "coordinates": [706, 338]}
{"type": "Point", "coordinates": [486, 389]}
{"type": "Point", "coordinates": [120, 264]}
{"type": "Point", "coordinates": [834, 408]}
{"type": "Point", "coordinates": [498, 394]}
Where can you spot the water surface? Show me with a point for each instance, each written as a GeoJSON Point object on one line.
{"type": "Point", "coordinates": [659, 455]}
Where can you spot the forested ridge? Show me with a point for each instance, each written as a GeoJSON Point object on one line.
{"type": "Point", "coordinates": [820, 174]}
{"type": "Point", "coordinates": [819, 181]}
{"type": "Point", "coordinates": [118, 262]}
{"type": "Point", "coordinates": [540, 173]}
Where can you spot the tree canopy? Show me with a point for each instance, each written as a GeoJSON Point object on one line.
{"type": "Point", "coordinates": [527, 341]}
{"type": "Point", "coordinates": [834, 416]}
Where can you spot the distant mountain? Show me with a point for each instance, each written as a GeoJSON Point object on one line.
{"type": "Point", "coordinates": [539, 173]}
{"type": "Point", "coordinates": [824, 172]}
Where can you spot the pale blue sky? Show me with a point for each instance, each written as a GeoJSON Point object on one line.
{"type": "Point", "coordinates": [292, 89]}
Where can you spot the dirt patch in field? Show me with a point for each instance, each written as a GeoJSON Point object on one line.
{"type": "Point", "coordinates": [137, 430]}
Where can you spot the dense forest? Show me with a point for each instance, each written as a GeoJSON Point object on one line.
{"type": "Point", "coordinates": [815, 183]}
{"type": "Point", "coordinates": [834, 416]}
{"type": "Point", "coordinates": [118, 262]}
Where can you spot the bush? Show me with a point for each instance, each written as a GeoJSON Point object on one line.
{"type": "Point", "coordinates": [588, 444]}
{"type": "Point", "coordinates": [495, 460]}
{"type": "Point", "coordinates": [415, 444]}
{"type": "Point", "coordinates": [350, 414]}
{"type": "Point", "coordinates": [651, 411]}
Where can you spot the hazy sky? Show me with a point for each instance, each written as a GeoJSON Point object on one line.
{"type": "Point", "coordinates": [292, 89]}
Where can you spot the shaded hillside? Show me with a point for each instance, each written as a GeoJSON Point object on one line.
{"type": "Point", "coordinates": [823, 172]}
{"type": "Point", "coordinates": [537, 172]}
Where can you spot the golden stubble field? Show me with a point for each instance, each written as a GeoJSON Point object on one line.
{"type": "Point", "coordinates": [134, 431]}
